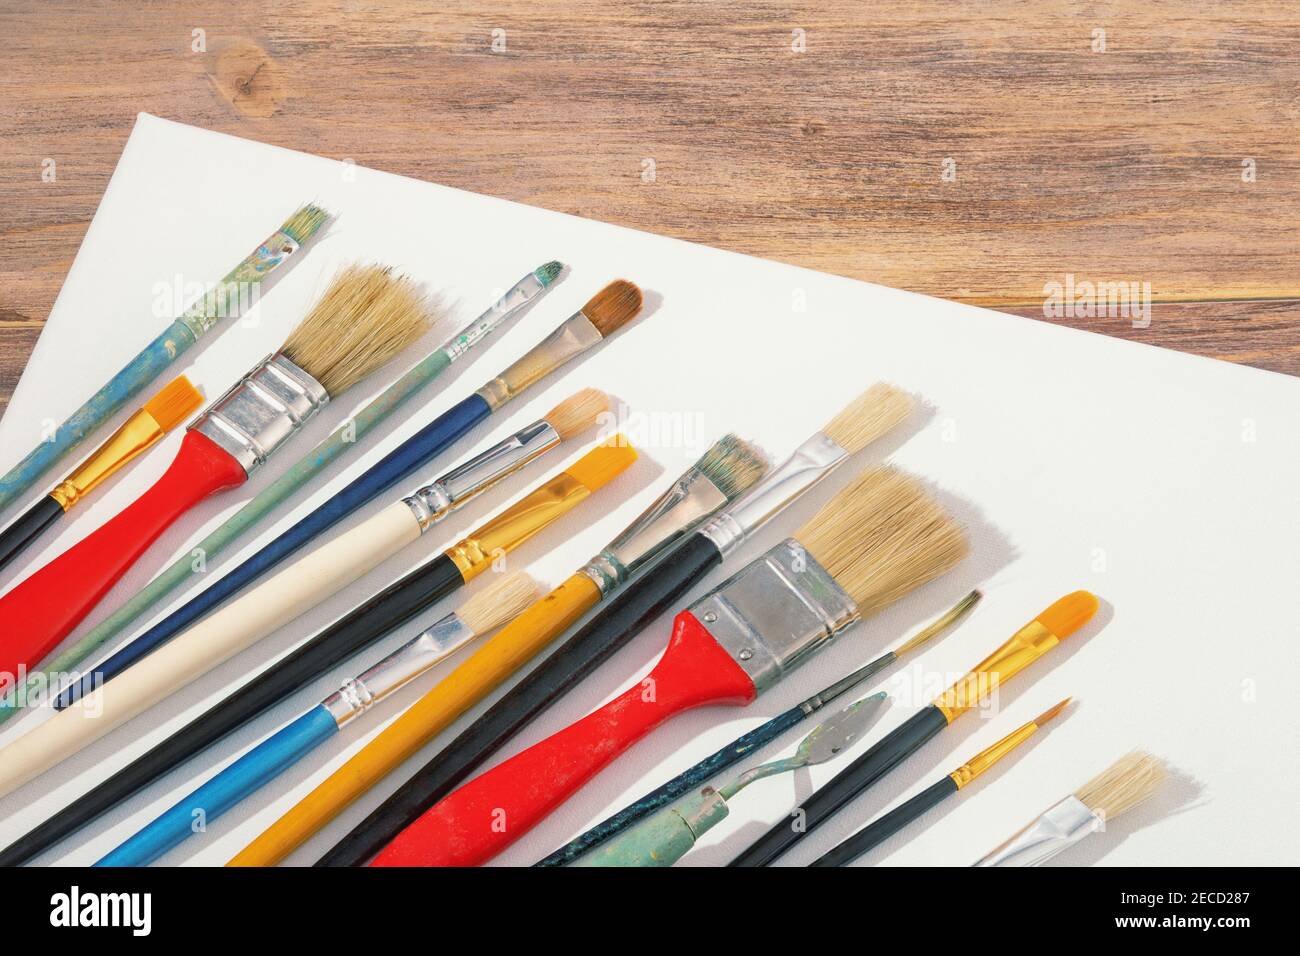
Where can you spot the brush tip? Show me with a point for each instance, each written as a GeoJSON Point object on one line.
{"type": "Point", "coordinates": [578, 412]}
{"type": "Point", "coordinates": [174, 403]}
{"type": "Point", "coordinates": [548, 272]}
{"type": "Point", "coordinates": [305, 223]}
{"type": "Point", "coordinates": [1123, 785]}
{"type": "Point", "coordinates": [499, 602]}
{"type": "Point", "coordinates": [603, 463]}
{"type": "Point", "coordinates": [1051, 712]}
{"type": "Point", "coordinates": [733, 465]}
{"type": "Point", "coordinates": [613, 306]}
{"type": "Point", "coordinates": [1069, 613]}
{"type": "Point", "coordinates": [867, 417]}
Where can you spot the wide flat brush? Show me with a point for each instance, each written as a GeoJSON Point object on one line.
{"type": "Point", "coordinates": [726, 470]}
{"type": "Point", "coordinates": [875, 541]}
{"type": "Point", "coordinates": [881, 829]}
{"type": "Point", "coordinates": [486, 611]}
{"type": "Point", "coordinates": [363, 320]}
{"type": "Point", "coordinates": [870, 415]}
{"type": "Point", "coordinates": [1024, 647]}
{"type": "Point", "coordinates": [175, 402]}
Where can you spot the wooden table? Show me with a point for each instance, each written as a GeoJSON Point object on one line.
{"type": "Point", "coordinates": [978, 151]}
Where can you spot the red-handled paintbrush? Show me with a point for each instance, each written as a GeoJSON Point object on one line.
{"type": "Point", "coordinates": [364, 319]}
{"type": "Point", "coordinates": [876, 540]}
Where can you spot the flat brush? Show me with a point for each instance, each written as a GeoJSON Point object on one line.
{"type": "Point", "coordinates": [344, 438]}
{"type": "Point", "coordinates": [302, 584]}
{"type": "Point", "coordinates": [172, 405]}
{"type": "Point", "coordinates": [890, 823]}
{"type": "Point", "coordinates": [138, 687]}
{"type": "Point", "coordinates": [1024, 647]}
{"type": "Point", "coordinates": [1116, 790]}
{"type": "Point", "coordinates": [875, 541]}
{"type": "Point", "coordinates": [364, 319]}
{"type": "Point", "coordinates": [654, 591]}
{"type": "Point", "coordinates": [667, 836]}
{"type": "Point", "coordinates": [484, 612]}
{"type": "Point", "coordinates": [726, 469]}
{"type": "Point", "coordinates": [222, 301]}
{"type": "Point", "coordinates": [747, 743]}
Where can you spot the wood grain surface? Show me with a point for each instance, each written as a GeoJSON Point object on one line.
{"type": "Point", "coordinates": [977, 151]}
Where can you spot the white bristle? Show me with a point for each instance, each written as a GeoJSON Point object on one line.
{"type": "Point", "coordinates": [498, 603]}
{"type": "Point", "coordinates": [867, 417]}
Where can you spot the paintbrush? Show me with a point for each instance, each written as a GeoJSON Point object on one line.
{"type": "Point", "coordinates": [1116, 790]}
{"type": "Point", "coordinates": [302, 584]}
{"type": "Point", "coordinates": [181, 661]}
{"type": "Point", "coordinates": [484, 612]}
{"type": "Point", "coordinates": [667, 836]}
{"type": "Point", "coordinates": [224, 300]}
{"type": "Point", "coordinates": [881, 829]}
{"type": "Point", "coordinates": [364, 319]}
{"type": "Point", "coordinates": [655, 590]}
{"type": "Point", "coordinates": [347, 436]}
{"type": "Point", "coordinates": [1023, 648]}
{"type": "Point", "coordinates": [874, 542]}
{"type": "Point", "coordinates": [389, 609]}
{"type": "Point", "coordinates": [172, 405]}
{"type": "Point", "coordinates": [747, 743]}
{"type": "Point", "coordinates": [726, 470]}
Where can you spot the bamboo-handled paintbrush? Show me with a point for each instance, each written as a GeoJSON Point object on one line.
{"type": "Point", "coordinates": [869, 416]}
{"type": "Point", "coordinates": [362, 321]}
{"type": "Point", "coordinates": [881, 829]}
{"type": "Point", "coordinates": [1116, 790]}
{"type": "Point", "coordinates": [171, 406]}
{"type": "Point", "coordinates": [347, 436]}
{"type": "Point", "coordinates": [223, 301]}
{"type": "Point", "coordinates": [359, 628]}
{"type": "Point", "coordinates": [747, 743]}
{"type": "Point", "coordinates": [726, 470]}
{"type": "Point", "coordinates": [1024, 647]}
{"type": "Point", "coordinates": [486, 611]}
{"type": "Point", "coordinates": [302, 584]}
{"type": "Point", "coordinates": [875, 541]}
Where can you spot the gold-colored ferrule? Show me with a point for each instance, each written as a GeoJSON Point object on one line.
{"type": "Point", "coordinates": [988, 757]}
{"type": "Point", "coordinates": [139, 432]}
{"type": "Point", "coordinates": [575, 336]}
{"type": "Point", "coordinates": [472, 555]}
{"type": "Point", "coordinates": [1026, 646]}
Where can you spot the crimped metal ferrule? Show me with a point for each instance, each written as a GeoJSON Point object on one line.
{"type": "Point", "coordinates": [137, 433]}
{"type": "Point", "coordinates": [1065, 824]}
{"type": "Point", "coordinates": [520, 294]}
{"type": "Point", "coordinates": [574, 336]}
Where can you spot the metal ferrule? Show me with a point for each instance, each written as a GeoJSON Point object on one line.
{"type": "Point", "coordinates": [689, 500]}
{"type": "Point", "coordinates": [257, 265]}
{"type": "Point", "coordinates": [435, 501]}
{"type": "Point", "coordinates": [575, 336]}
{"type": "Point", "coordinates": [1023, 648]}
{"type": "Point", "coordinates": [139, 432]}
{"type": "Point", "coordinates": [811, 462]}
{"type": "Point", "coordinates": [408, 662]}
{"type": "Point", "coordinates": [987, 757]}
{"type": "Point", "coordinates": [776, 612]}
{"type": "Point", "coordinates": [519, 295]}
{"type": "Point", "coordinates": [1064, 825]}
{"type": "Point", "coordinates": [263, 411]}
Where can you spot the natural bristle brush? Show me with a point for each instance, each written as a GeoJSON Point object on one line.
{"type": "Point", "coordinates": [363, 320]}
{"type": "Point", "coordinates": [875, 541]}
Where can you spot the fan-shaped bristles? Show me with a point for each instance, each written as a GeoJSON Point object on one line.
{"type": "Point", "coordinates": [578, 412]}
{"type": "Point", "coordinates": [882, 536]}
{"type": "Point", "coordinates": [305, 223]}
{"type": "Point", "coordinates": [1122, 785]}
{"type": "Point", "coordinates": [603, 463]}
{"type": "Point", "coordinates": [362, 321]}
{"type": "Point", "coordinates": [174, 403]}
{"type": "Point", "coordinates": [733, 465]}
{"type": "Point", "coordinates": [613, 307]}
{"type": "Point", "coordinates": [867, 417]}
{"type": "Point", "coordinates": [499, 603]}
{"type": "Point", "coordinates": [548, 273]}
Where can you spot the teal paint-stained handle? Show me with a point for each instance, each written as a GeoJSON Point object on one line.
{"type": "Point", "coordinates": [662, 838]}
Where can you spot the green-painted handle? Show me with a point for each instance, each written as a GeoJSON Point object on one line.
{"type": "Point", "coordinates": [662, 838]}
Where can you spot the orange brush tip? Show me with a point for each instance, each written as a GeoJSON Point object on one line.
{"type": "Point", "coordinates": [174, 403]}
{"type": "Point", "coordinates": [1069, 613]}
{"type": "Point", "coordinates": [603, 463]}
{"type": "Point", "coordinates": [1051, 712]}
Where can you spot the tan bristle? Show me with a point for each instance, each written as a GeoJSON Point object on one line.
{"type": "Point", "coordinates": [882, 536]}
{"type": "Point", "coordinates": [733, 465]}
{"type": "Point", "coordinates": [174, 403]}
{"type": "Point", "coordinates": [578, 412]}
{"type": "Point", "coordinates": [613, 307]}
{"type": "Point", "coordinates": [1122, 785]}
{"type": "Point", "coordinates": [362, 321]}
{"type": "Point", "coordinates": [867, 417]}
{"type": "Point", "coordinates": [499, 603]}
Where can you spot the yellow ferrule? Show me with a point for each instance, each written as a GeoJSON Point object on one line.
{"type": "Point", "coordinates": [987, 758]}
{"type": "Point", "coordinates": [574, 336]}
{"type": "Point", "coordinates": [1028, 644]}
{"type": "Point", "coordinates": [139, 432]}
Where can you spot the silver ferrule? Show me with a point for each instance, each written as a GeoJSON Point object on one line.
{"type": "Point", "coordinates": [574, 336]}
{"type": "Point", "coordinates": [435, 501]}
{"type": "Point", "coordinates": [776, 612]}
{"type": "Point", "coordinates": [408, 662]}
{"type": "Point", "coordinates": [1065, 824]}
{"type": "Point", "coordinates": [518, 296]}
{"type": "Point", "coordinates": [680, 509]}
{"type": "Point", "coordinates": [262, 411]}
{"type": "Point", "coordinates": [811, 462]}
